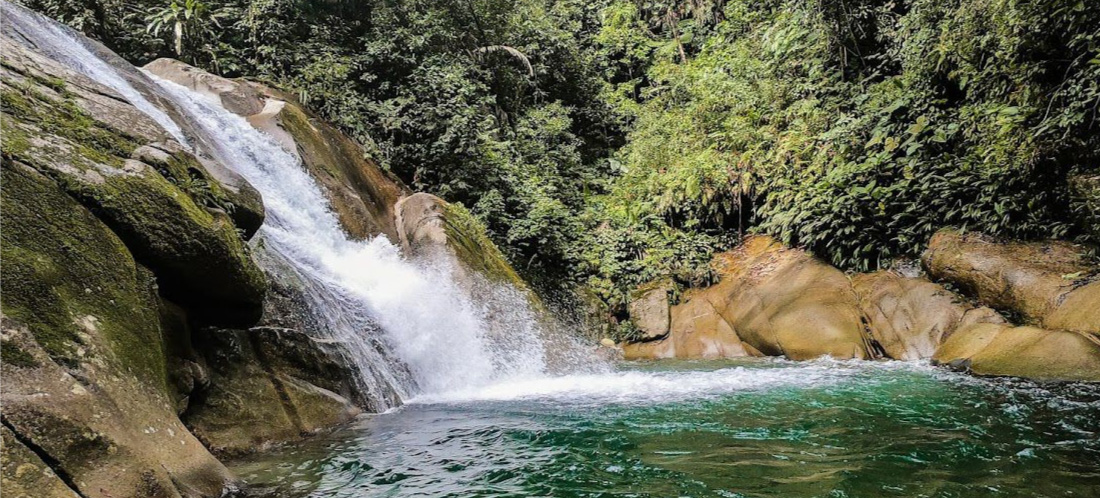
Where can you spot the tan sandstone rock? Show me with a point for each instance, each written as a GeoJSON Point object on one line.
{"type": "Point", "coordinates": [697, 332]}
{"type": "Point", "coordinates": [775, 301]}
{"type": "Point", "coordinates": [1004, 350]}
{"type": "Point", "coordinates": [783, 301]}
{"type": "Point", "coordinates": [1032, 279]}
{"type": "Point", "coordinates": [910, 317]}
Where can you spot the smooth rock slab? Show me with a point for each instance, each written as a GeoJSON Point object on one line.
{"type": "Point", "coordinates": [1034, 353]}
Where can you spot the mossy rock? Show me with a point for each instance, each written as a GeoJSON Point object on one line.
{"type": "Point", "coordinates": [173, 218]}
{"type": "Point", "coordinates": [361, 194]}
{"type": "Point", "coordinates": [67, 275]}
{"type": "Point", "coordinates": [427, 225]}
{"type": "Point", "coordinates": [253, 402]}
{"type": "Point", "coordinates": [83, 314]}
{"type": "Point", "coordinates": [24, 475]}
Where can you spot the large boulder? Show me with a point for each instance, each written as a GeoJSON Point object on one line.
{"type": "Point", "coordinates": [1079, 310]}
{"type": "Point", "coordinates": [909, 317]}
{"type": "Point", "coordinates": [171, 214]}
{"type": "Point", "coordinates": [362, 194]}
{"type": "Point", "coordinates": [784, 302]}
{"type": "Point", "coordinates": [697, 331]}
{"type": "Point", "coordinates": [254, 399]}
{"type": "Point", "coordinates": [770, 300]}
{"type": "Point", "coordinates": [1029, 278]}
{"type": "Point", "coordinates": [649, 311]}
{"type": "Point", "coordinates": [429, 227]}
{"type": "Point", "coordinates": [1004, 350]}
{"type": "Point", "coordinates": [84, 363]}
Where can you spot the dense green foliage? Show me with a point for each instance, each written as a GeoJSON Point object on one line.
{"type": "Point", "coordinates": [606, 144]}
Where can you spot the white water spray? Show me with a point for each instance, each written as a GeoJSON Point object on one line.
{"type": "Point", "coordinates": [425, 320]}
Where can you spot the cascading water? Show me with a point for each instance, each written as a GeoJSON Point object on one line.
{"type": "Point", "coordinates": [407, 327]}
{"type": "Point", "coordinates": [423, 318]}
{"type": "Point", "coordinates": [59, 43]}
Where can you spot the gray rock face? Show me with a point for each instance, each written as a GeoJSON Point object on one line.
{"type": "Point", "coordinates": [649, 311]}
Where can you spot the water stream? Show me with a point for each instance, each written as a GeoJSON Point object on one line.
{"type": "Point", "coordinates": [483, 413]}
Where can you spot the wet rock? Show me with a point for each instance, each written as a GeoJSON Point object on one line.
{"type": "Point", "coordinates": [649, 311]}
{"type": "Point", "coordinates": [1031, 279]}
{"type": "Point", "coordinates": [265, 390]}
{"type": "Point", "coordinates": [1031, 352]}
{"type": "Point", "coordinates": [362, 194]}
{"type": "Point", "coordinates": [431, 228]}
{"type": "Point", "coordinates": [910, 317]}
{"type": "Point", "coordinates": [697, 332]}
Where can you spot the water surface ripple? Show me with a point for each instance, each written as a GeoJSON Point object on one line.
{"type": "Point", "coordinates": [724, 429]}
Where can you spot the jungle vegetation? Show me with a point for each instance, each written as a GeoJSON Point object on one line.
{"type": "Point", "coordinates": [609, 143]}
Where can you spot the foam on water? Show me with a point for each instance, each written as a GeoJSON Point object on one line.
{"type": "Point", "coordinates": [654, 387]}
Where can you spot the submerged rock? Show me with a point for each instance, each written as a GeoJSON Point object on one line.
{"type": "Point", "coordinates": [910, 317]}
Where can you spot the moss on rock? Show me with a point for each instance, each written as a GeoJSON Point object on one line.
{"type": "Point", "coordinates": [470, 240]}
{"type": "Point", "coordinates": [174, 219]}
{"type": "Point", "coordinates": [67, 276]}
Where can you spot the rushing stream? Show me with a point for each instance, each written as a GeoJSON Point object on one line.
{"type": "Point", "coordinates": [484, 415]}
{"type": "Point", "coordinates": [751, 428]}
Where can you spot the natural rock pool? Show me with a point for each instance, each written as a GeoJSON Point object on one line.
{"type": "Point", "coordinates": [731, 428]}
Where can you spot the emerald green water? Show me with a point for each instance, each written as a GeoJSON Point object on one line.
{"type": "Point", "coordinates": [728, 429]}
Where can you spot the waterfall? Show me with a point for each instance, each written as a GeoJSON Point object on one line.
{"type": "Point", "coordinates": [365, 292]}
{"type": "Point", "coordinates": [61, 44]}
{"type": "Point", "coordinates": [407, 326]}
